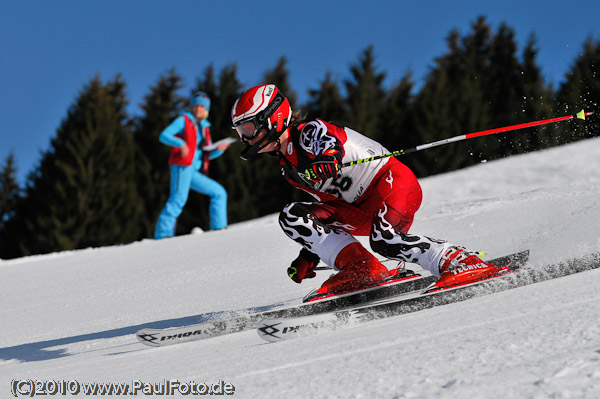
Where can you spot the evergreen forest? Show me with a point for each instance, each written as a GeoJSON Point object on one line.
{"type": "Point", "coordinates": [105, 177]}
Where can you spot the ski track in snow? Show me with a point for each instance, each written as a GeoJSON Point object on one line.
{"type": "Point", "coordinates": [73, 315]}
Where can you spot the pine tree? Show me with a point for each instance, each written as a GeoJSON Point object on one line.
{"type": "Point", "coordinates": [9, 189]}
{"type": "Point", "coordinates": [480, 83]}
{"type": "Point", "coordinates": [537, 101]}
{"type": "Point", "coordinates": [83, 192]}
{"type": "Point", "coordinates": [504, 89]}
{"type": "Point", "coordinates": [326, 102]}
{"type": "Point", "coordinates": [396, 122]}
{"type": "Point", "coordinates": [365, 96]}
{"type": "Point", "coordinates": [434, 117]}
{"type": "Point", "coordinates": [452, 102]}
{"type": "Point", "coordinates": [223, 92]}
{"type": "Point", "coordinates": [279, 76]}
{"type": "Point", "coordinates": [473, 105]}
{"type": "Point", "coordinates": [581, 90]}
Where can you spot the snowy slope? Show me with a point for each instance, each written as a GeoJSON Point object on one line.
{"type": "Point", "coordinates": [72, 315]}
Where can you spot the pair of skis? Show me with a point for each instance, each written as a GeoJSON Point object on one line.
{"type": "Point", "coordinates": [406, 293]}
{"type": "Point", "coordinates": [274, 330]}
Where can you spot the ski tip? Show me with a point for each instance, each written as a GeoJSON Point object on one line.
{"type": "Point", "coordinates": [270, 330]}
{"type": "Point", "coordinates": [429, 288]}
{"type": "Point", "coordinates": [147, 337]}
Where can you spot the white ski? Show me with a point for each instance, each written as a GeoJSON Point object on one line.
{"type": "Point", "coordinates": [280, 329]}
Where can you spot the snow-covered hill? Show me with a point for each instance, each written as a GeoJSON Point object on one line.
{"type": "Point", "coordinates": [72, 316]}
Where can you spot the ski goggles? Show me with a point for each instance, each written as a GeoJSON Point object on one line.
{"type": "Point", "coordinates": [248, 130]}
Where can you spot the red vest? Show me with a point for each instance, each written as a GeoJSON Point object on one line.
{"type": "Point", "coordinates": [206, 154]}
{"type": "Point", "coordinates": [190, 136]}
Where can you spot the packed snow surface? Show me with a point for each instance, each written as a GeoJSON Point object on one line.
{"type": "Point", "coordinates": [72, 316]}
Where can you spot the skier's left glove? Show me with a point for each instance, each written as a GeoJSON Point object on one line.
{"type": "Point", "coordinates": [325, 166]}
{"type": "Point", "coordinates": [303, 266]}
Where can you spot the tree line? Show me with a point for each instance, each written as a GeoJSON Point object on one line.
{"type": "Point", "coordinates": [105, 178]}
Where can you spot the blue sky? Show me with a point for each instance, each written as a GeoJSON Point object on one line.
{"type": "Point", "coordinates": [51, 49]}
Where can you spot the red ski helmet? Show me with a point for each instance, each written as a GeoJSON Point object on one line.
{"type": "Point", "coordinates": [258, 108]}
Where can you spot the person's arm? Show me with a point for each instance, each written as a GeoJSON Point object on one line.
{"type": "Point", "coordinates": [217, 153]}
{"type": "Point", "coordinates": [213, 153]}
{"type": "Point", "coordinates": [168, 136]}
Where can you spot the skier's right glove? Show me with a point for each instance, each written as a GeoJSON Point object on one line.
{"type": "Point", "coordinates": [303, 266]}
{"type": "Point", "coordinates": [325, 166]}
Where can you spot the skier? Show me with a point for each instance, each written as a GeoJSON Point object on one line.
{"type": "Point", "coordinates": [377, 198]}
{"type": "Point", "coordinates": [189, 167]}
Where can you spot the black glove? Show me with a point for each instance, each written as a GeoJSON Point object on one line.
{"type": "Point", "coordinates": [303, 266]}
{"type": "Point", "coordinates": [325, 166]}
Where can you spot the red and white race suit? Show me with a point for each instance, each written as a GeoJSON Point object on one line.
{"type": "Point", "coordinates": [316, 137]}
{"type": "Point", "coordinates": [377, 198]}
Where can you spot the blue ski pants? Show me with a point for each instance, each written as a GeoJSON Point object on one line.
{"type": "Point", "coordinates": [182, 179]}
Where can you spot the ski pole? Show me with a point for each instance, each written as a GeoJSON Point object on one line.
{"type": "Point", "coordinates": [580, 115]}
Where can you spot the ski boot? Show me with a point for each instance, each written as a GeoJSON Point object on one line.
{"type": "Point", "coordinates": [358, 269]}
{"type": "Point", "coordinates": [459, 267]}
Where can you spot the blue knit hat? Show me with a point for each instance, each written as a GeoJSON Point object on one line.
{"type": "Point", "coordinates": [201, 99]}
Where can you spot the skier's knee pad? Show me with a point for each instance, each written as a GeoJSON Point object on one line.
{"type": "Point", "coordinates": [290, 213]}
{"type": "Point", "coordinates": [307, 211]}
{"type": "Point", "coordinates": [301, 225]}
{"type": "Point", "coordinates": [292, 218]}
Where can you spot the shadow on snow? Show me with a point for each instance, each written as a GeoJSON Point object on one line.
{"type": "Point", "coordinates": [39, 351]}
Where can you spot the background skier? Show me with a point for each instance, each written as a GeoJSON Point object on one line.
{"type": "Point", "coordinates": [186, 136]}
